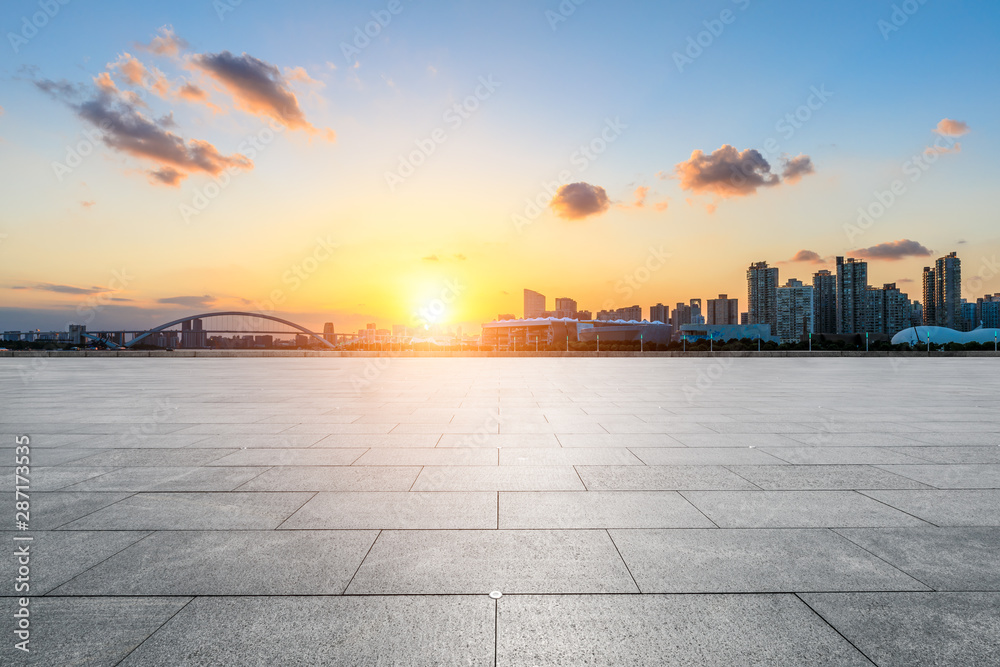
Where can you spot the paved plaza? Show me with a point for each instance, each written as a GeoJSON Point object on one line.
{"type": "Point", "coordinates": [631, 511]}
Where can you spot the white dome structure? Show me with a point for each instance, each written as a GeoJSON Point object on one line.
{"type": "Point", "coordinates": [942, 335]}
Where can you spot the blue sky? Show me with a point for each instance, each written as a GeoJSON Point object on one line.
{"type": "Point", "coordinates": [556, 86]}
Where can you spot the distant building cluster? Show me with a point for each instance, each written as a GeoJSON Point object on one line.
{"type": "Point", "coordinates": [835, 303]}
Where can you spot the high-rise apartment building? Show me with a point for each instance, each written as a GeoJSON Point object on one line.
{"type": "Point", "coordinates": [824, 302]}
{"type": "Point", "coordinates": [697, 314]}
{"type": "Point", "coordinates": [659, 313]}
{"type": "Point", "coordinates": [795, 310]}
{"type": "Point", "coordinates": [988, 312]}
{"type": "Point", "coordinates": [534, 304]}
{"type": "Point", "coordinates": [762, 286]}
{"type": "Point", "coordinates": [328, 333]}
{"type": "Point", "coordinates": [723, 310]}
{"type": "Point", "coordinates": [896, 310]}
{"type": "Point", "coordinates": [564, 307]}
{"type": "Point", "coordinates": [629, 313]}
{"type": "Point", "coordinates": [930, 298]}
{"type": "Point", "coordinates": [852, 297]}
{"type": "Point", "coordinates": [968, 316]}
{"type": "Point", "coordinates": [948, 292]}
{"type": "Point", "coordinates": [680, 315]}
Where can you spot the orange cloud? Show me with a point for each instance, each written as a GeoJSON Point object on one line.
{"type": "Point", "coordinates": [579, 200]}
{"type": "Point", "coordinates": [728, 172]}
{"type": "Point", "coordinates": [166, 43]}
{"type": "Point", "coordinates": [136, 74]}
{"type": "Point", "coordinates": [258, 88]}
{"type": "Point", "coordinates": [807, 256]}
{"type": "Point", "coordinates": [951, 128]}
{"type": "Point", "coordinates": [893, 250]}
{"type": "Point", "coordinates": [126, 130]}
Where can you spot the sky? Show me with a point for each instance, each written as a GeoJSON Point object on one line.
{"type": "Point", "coordinates": [376, 161]}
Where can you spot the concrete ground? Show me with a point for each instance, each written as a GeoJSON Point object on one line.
{"type": "Point", "coordinates": [630, 511]}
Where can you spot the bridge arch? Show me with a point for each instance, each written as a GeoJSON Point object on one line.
{"type": "Point", "coordinates": [191, 318]}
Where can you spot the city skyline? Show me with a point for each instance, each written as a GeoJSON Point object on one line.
{"type": "Point", "coordinates": [182, 159]}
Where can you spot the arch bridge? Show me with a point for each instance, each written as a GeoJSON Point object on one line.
{"type": "Point", "coordinates": [233, 322]}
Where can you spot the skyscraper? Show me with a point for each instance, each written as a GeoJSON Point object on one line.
{"type": "Point", "coordinates": [948, 292]}
{"type": "Point", "coordinates": [723, 310]}
{"type": "Point", "coordinates": [328, 333]}
{"type": "Point", "coordinates": [795, 310]}
{"type": "Point", "coordinates": [824, 302]}
{"type": "Point", "coordinates": [696, 313]}
{"type": "Point", "coordinates": [680, 316]}
{"type": "Point", "coordinates": [659, 313]}
{"type": "Point", "coordinates": [534, 304]}
{"type": "Point", "coordinates": [564, 307]}
{"type": "Point", "coordinates": [852, 286]}
{"type": "Point", "coordinates": [762, 285]}
{"type": "Point", "coordinates": [930, 298]}
{"type": "Point", "coordinates": [897, 312]}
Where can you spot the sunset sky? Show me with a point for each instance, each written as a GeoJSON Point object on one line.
{"type": "Point", "coordinates": [161, 161]}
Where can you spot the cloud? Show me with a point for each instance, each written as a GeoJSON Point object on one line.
{"type": "Point", "coordinates": [639, 196]}
{"type": "Point", "coordinates": [166, 43]}
{"type": "Point", "coordinates": [87, 204]}
{"type": "Point", "coordinates": [796, 168]}
{"type": "Point", "coordinates": [301, 75]}
{"type": "Point", "coordinates": [892, 250]}
{"type": "Point", "coordinates": [941, 150]}
{"type": "Point", "coordinates": [431, 258]}
{"type": "Point", "coordinates": [138, 75]}
{"type": "Point", "coordinates": [728, 172]}
{"type": "Point", "coordinates": [62, 289]}
{"type": "Point", "coordinates": [807, 256]}
{"type": "Point", "coordinates": [258, 88]}
{"type": "Point", "coordinates": [951, 128]}
{"type": "Point", "coordinates": [127, 130]}
{"type": "Point", "coordinates": [662, 205]}
{"type": "Point", "coordinates": [905, 280]}
{"type": "Point", "coordinates": [189, 301]}
{"type": "Point", "coordinates": [579, 200]}
{"type": "Point", "coordinates": [460, 257]}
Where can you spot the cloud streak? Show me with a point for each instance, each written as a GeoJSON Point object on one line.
{"type": "Point", "coordinates": [204, 301]}
{"type": "Point", "coordinates": [127, 130]}
{"type": "Point", "coordinates": [62, 289]}
{"type": "Point", "coordinates": [258, 88]}
{"type": "Point", "coordinates": [892, 251]}
{"type": "Point", "coordinates": [808, 256]}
